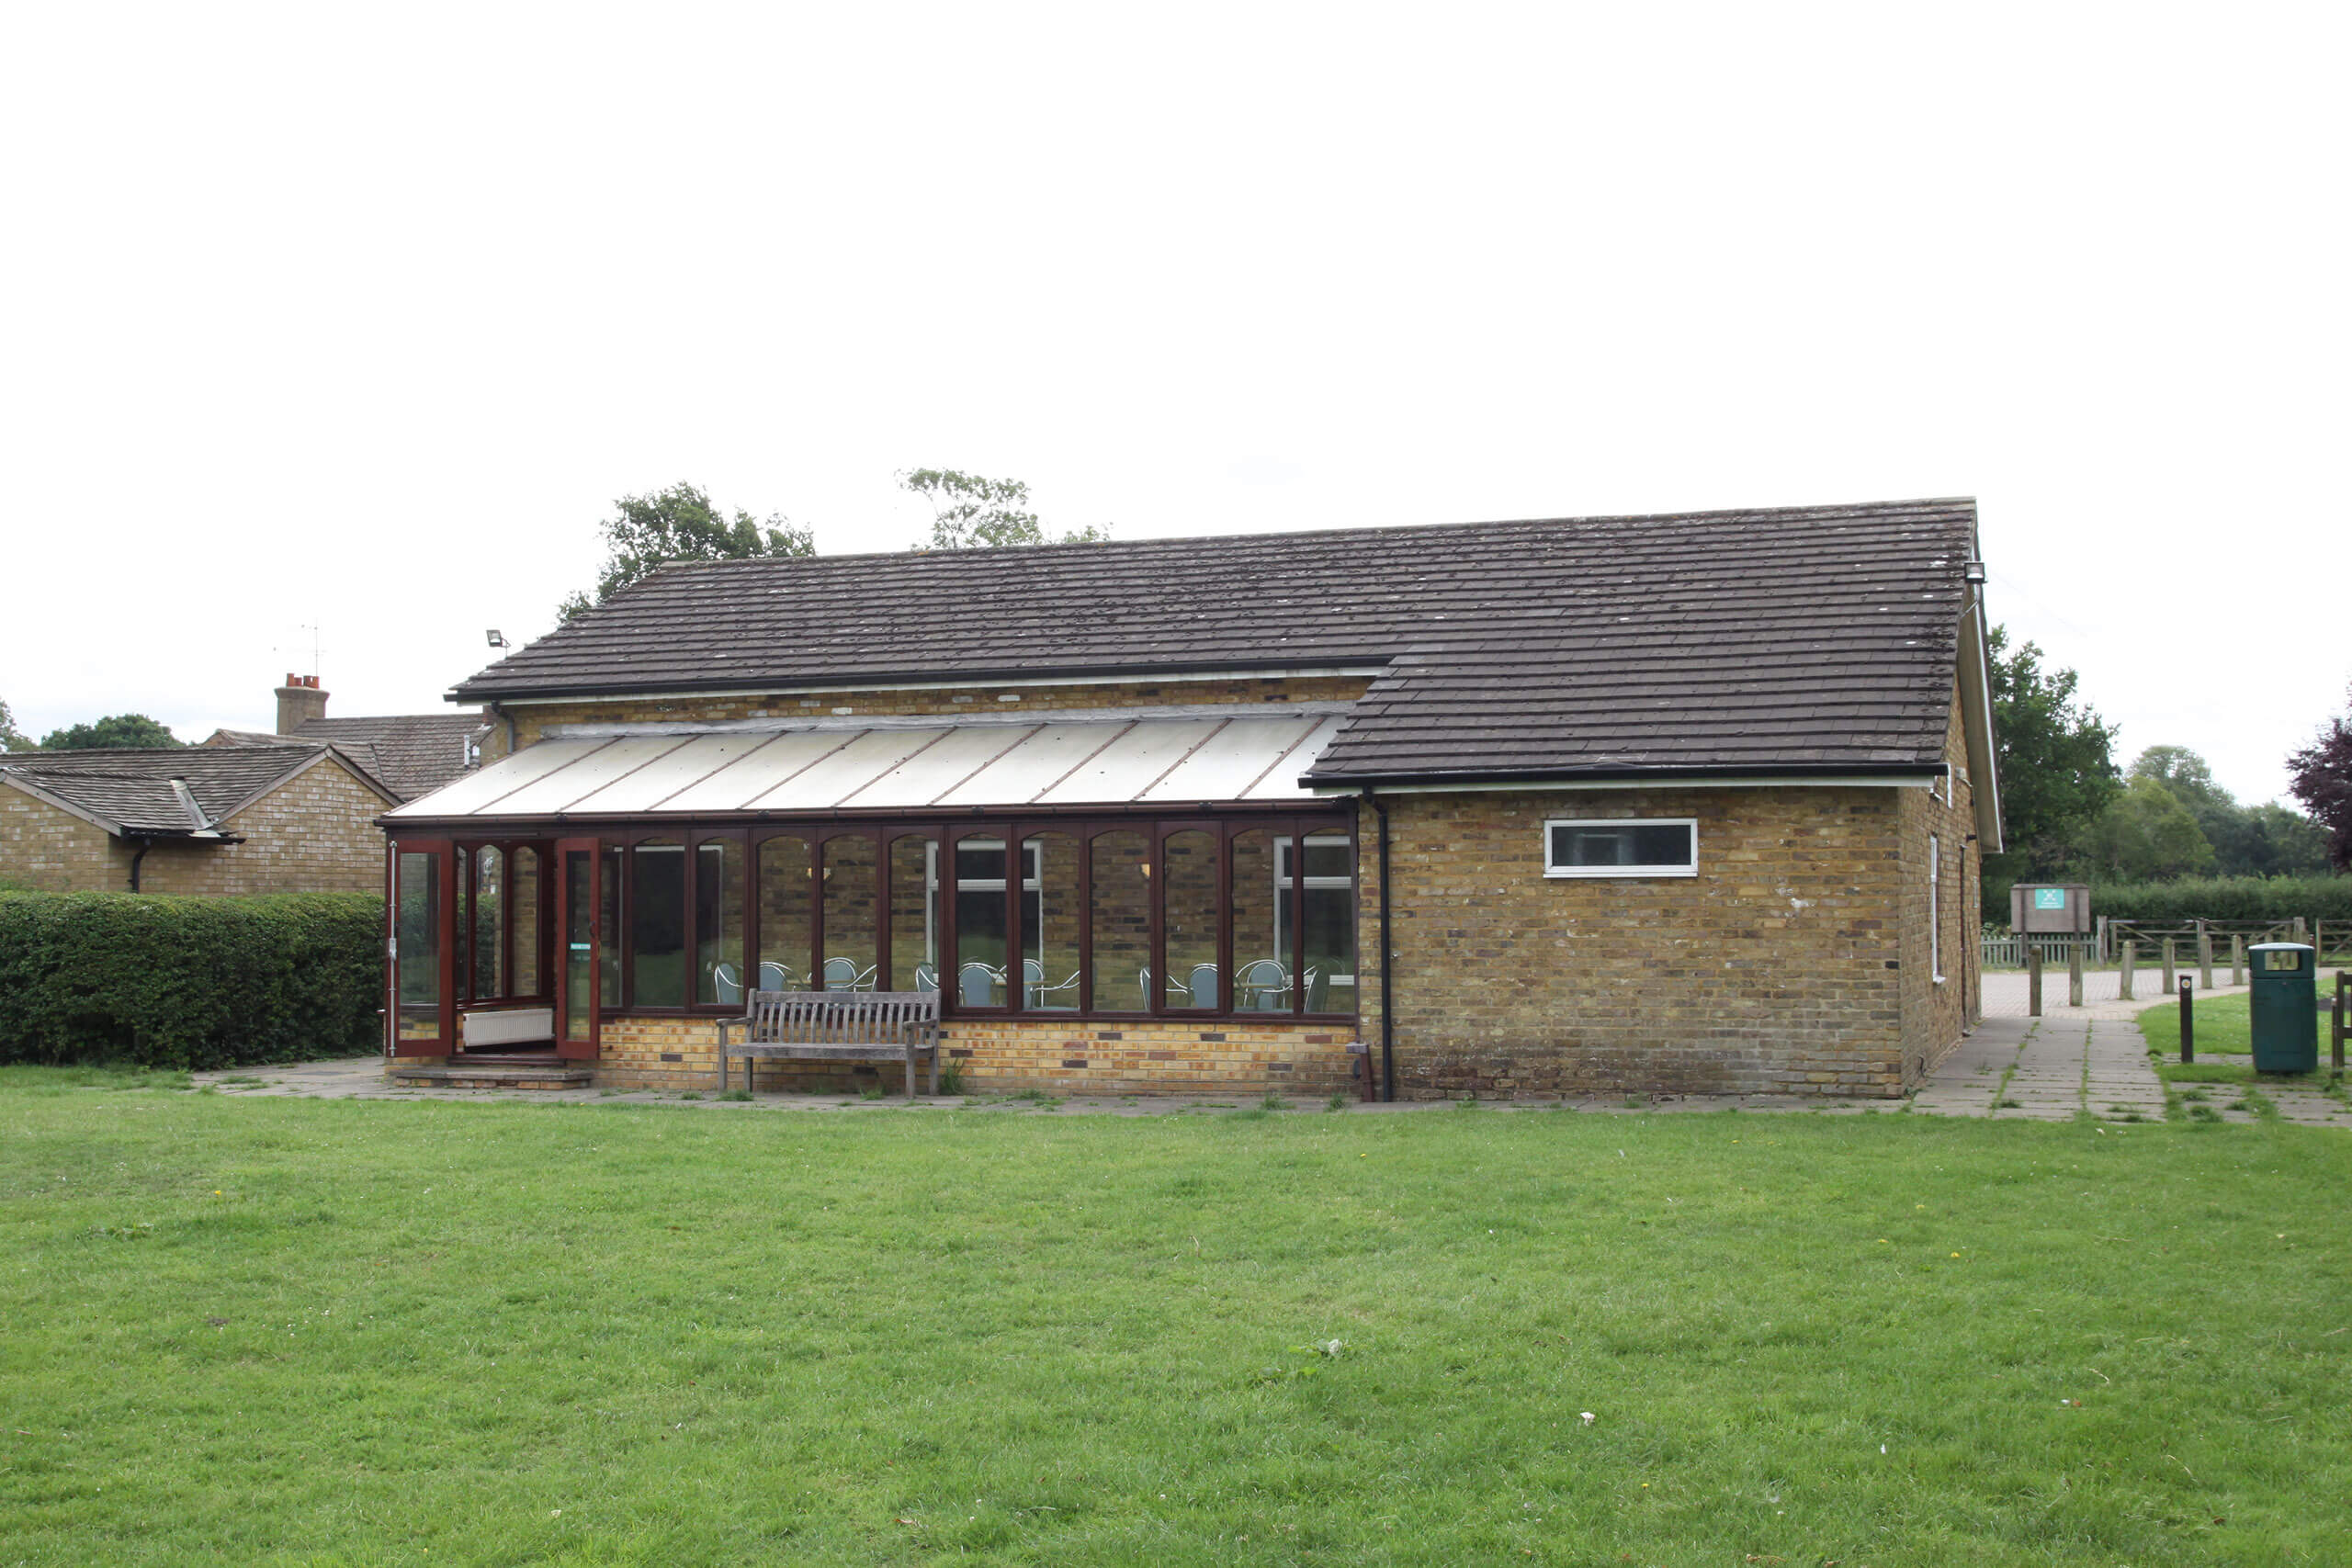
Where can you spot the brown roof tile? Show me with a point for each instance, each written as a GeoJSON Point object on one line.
{"type": "Point", "coordinates": [1796, 638]}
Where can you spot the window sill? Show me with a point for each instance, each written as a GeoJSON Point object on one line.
{"type": "Point", "coordinates": [1621, 870]}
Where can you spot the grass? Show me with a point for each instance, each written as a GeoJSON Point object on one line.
{"type": "Point", "coordinates": [2224, 1030]}
{"type": "Point", "coordinates": [287, 1331]}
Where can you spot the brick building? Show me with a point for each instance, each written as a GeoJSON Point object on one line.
{"type": "Point", "coordinates": [241, 812]}
{"type": "Point", "coordinates": [291, 818]}
{"type": "Point", "coordinates": [412, 753]}
{"type": "Point", "coordinates": [1679, 802]}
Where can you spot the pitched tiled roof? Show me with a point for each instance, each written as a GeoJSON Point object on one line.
{"type": "Point", "coordinates": [132, 792]}
{"type": "Point", "coordinates": [1819, 638]}
{"type": "Point", "coordinates": [409, 754]}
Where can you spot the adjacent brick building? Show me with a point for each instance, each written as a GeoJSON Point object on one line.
{"type": "Point", "coordinates": [1680, 802]}
{"type": "Point", "coordinates": [243, 812]}
{"type": "Point", "coordinates": [295, 817]}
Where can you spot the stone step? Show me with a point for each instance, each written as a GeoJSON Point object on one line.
{"type": "Point", "coordinates": [485, 1076]}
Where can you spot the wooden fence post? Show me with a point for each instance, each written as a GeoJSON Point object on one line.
{"type": "Point", "coordinates": [2237, 959]}
{"type": "Point", "coordinates": [2343, 1022]}
{"type": "Point", "coordinates": [2168, 966]}
{"type": "Point", "coordinates": [2204, 958]}
{"type": "Point", "coordinates": [2123, 979]}
{"type": "Point", "coordinates": [2032, 979]}
{"type": "Point", "coordinates": [2074, 976]}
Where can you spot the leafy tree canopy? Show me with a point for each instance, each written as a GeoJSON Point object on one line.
{"type": "Point", "coordinates": [2320, 775]}
{"type": "Point", "coordinates": [2145, 834]}
{"type": "Point", "coordinates": [969, 512]}
{"type": "Point", "coordinates": [2246, 840]}
{"type": "Point", "coordinates": [10, 740]}
{"type": "Point", "coordinates": [680, 524]}
{"type": "Point", "coordinates": [117, 732]}
{"type": "Point", "coordinates": [2057, 770]}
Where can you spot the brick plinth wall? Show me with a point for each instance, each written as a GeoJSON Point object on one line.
{"type": "Point", "coordinates": [1000, 1056]}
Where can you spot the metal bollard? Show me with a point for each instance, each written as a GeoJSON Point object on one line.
{"type": "Point", "coordinates": [2074, 976]}
{"type": "Point", "coordinates": [2123, 976]}
{"type": "Point", "coordinates": [2032, 979]}
{"type": "Point", "coordinates": [2187, 1020]}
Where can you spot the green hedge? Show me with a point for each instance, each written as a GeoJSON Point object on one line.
{"type": "Point", "coordinates": [2326, 898]}
{"type": "Point", "coordinates": [186, 982]}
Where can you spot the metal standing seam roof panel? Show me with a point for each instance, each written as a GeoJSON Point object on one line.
{"type": "Point", "coordinates": [650, 785]}
{"type": "Point", "coordinates": [757, 772]}
{"type": "Point", "coordinates": [470, 794]}
{"type": "Point", "coordinates": [1035, 766]}
{"type": "Point", "coordinates": [847, 771]}
{"type": "Point", "coordinates": [1123, 770]}
{"type": "Point", "coordinates": [1232, 759]}
{"type": "Point", "coordinates": [931, 773]}
{"type": "Point", "coordinates": [558, 790]}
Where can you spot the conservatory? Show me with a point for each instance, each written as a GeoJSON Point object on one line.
{"type": "Point", "coordinates": [1098, 866]}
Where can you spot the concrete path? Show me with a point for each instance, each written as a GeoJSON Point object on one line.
{"type": "Point", "coordinates": [2005, 992]}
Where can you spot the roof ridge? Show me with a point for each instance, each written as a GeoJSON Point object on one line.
{"type": "Point", "coordinates": [1930, 504]}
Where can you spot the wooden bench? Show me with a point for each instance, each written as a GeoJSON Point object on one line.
{"type": "Point", "coordinates": [816, 1026]}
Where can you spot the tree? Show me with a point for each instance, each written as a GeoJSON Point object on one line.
{"type": "Point", "coordinates": [117, 732]}
{"type": "Point", "coordinates": [2247, 841]}
{"type": "Point", "coordinates": [10, 740]}
{"type": "Point", "coordinates": [2320, 775]}
{"type": "Point", "coordinates": [2145, 834]}
{"type": "Point", "coordinates": [680, 524]}
{"type": "Point", "coordinates": [969, 512]}
{"type": "Point", "coordinates": [2057, 770]}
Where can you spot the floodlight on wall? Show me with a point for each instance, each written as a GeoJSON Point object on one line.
{"type": "Point", "coordinates": [1975, 572]}
{"type": "Point", "coordinates": [497, 639]}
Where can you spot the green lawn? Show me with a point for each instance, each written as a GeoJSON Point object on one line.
{"type": "Point", "coordinates": [286, 1331]}
{"type": "Point", "coordinates": [2225, 1045]}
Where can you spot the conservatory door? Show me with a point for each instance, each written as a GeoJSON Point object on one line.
{"type": "Point", "coordinates": [579, 942]}
{"type": "Point", "coordinates": [421, 956]}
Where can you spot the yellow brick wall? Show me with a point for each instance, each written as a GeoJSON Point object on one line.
{"type": "Point", "coordinates": [1936, 1016]}
{"type": "Point", "coordinates": [1776, 970]}
{"type": "Point", "coordinates": [56, 852]}
{"type": "Point", "coordinates": [315, 833]}
{"type": "Point", "coordinates": [996, 1056]}
{"type": "Point", "coordinates": [532, 720]}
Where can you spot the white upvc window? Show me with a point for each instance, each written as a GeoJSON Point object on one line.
{"type": "Point", "coordinates": [1621, 846]}
{"type": "Point", "coordinates": [1935, 907]}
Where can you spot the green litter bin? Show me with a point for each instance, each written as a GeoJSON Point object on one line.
{"type": "Point", "coordinates": [2286, 1007]}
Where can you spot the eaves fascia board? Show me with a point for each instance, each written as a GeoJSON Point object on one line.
{"type": "Point", "coordinates": [523, 694]}
{"type": "Point", "coordinates": [1910, 775]}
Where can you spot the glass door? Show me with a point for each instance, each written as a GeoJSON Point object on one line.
{"type": "Point", "coordinates": [420, 955]}
{"type": "Point", "coordinates": [579, 915]}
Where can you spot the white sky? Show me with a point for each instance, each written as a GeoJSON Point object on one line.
{"type": "Point", "coordinates": [312, 316]}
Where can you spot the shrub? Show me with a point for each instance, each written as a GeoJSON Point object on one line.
{"type": "Point", "coordinates": [186, 982]}
{"type": "Point", "coordinates": [2326, 898]}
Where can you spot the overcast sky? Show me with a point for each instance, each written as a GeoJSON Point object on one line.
{"type": "Point", "coordinates": [359, 320]}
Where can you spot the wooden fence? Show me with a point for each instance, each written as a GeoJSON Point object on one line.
{"type": "Point", "coordinates": [2001, 950]}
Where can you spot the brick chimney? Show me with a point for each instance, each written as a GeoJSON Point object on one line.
{"type": "Point", "coordinates": [298, 700]}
